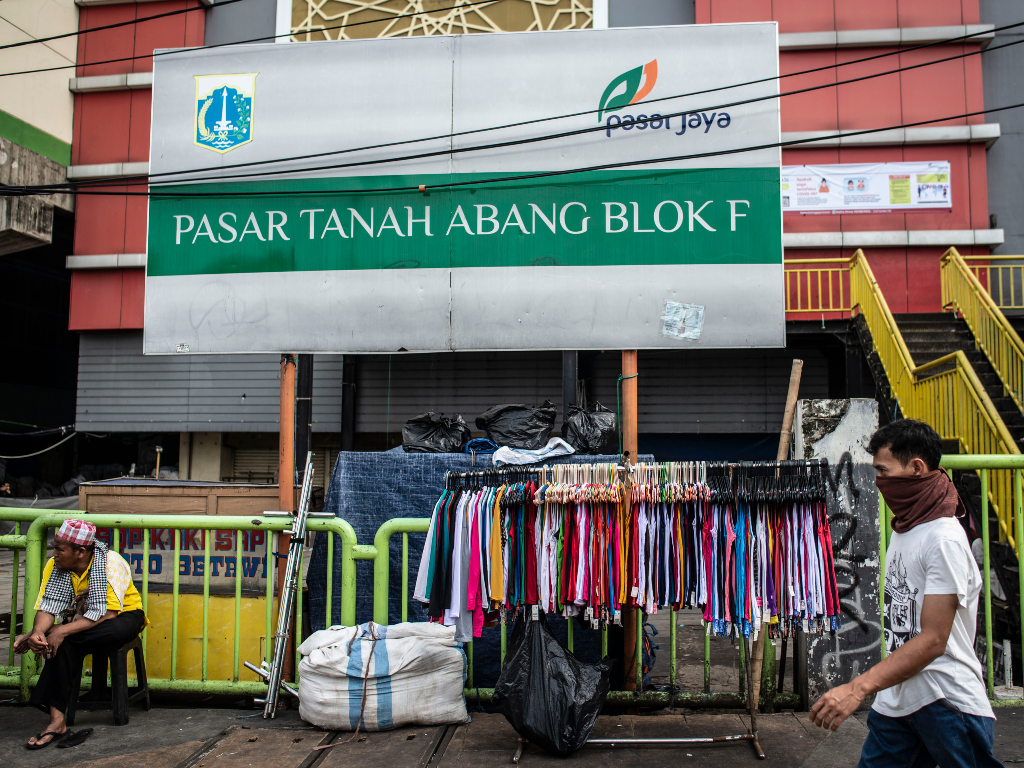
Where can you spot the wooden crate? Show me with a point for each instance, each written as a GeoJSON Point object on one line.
{"type": "Point", "coordinates": [146, 496]}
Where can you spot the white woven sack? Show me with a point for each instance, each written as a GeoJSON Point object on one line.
{"type": "Point", "coordinates": [415, 676]}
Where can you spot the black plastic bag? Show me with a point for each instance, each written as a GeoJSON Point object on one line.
{"type": "Point", "coordinates": [590, 431]}
{"type": "Point", "coordinates": [519, 426]}
{"type": "Point", "coordinates": [425, 434]}
{"type": "Point", "coordinates": [548, 695]}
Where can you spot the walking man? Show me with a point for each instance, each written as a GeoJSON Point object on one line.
{"type": "Point", "coordinates": [91, 590]}
{"type": "Point", "coordinates": [931, 706]}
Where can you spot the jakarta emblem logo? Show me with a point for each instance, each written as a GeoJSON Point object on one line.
{"type": "Point", "coordinates": [224, 105]}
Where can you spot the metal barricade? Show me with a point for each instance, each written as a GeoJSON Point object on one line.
{"type": "Point", "coordinates": [1009, 469]}
{"type": "Point", "coordinates": [34, 542]}
{"type": "Point", "coordinates": [16, 543]}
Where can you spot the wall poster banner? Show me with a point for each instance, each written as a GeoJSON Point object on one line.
{"type": "Point", "coordinates": [350, 201]}
{"type": "Point", "coordinates": [866, 187]}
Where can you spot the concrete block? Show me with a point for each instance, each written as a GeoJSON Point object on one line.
{"type": "Point", "coordinates": [989, 237]}
{"type": "Point", "coordinates": [794, 41]}
{"type": "Point", "coordinates": [839, 431]}
{"type": "Point", "coordinates": [894, 239]}
{"type": "Point", "coordinates": [867, 37]}
{"type": "Point", "coordinates": [941, 237]}
{"type": "Point", "coordinates": [812, 239]}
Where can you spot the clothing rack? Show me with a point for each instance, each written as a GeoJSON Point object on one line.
{"type": "Point", "coordinates": [747, 542]}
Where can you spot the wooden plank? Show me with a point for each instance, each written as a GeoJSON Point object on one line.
{"type": "Point", "coordinates": [165, 757]}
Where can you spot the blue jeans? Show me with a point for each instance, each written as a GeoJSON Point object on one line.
{"type": "Point", "coordinates": [936, 735]}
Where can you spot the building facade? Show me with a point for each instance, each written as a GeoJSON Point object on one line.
{"type": "Point", "coordinates": [37, 382]}
{"type": "Point", "coordinates": [216, 416]}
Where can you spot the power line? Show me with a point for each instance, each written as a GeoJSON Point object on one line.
{"type": "Point", "coordinates": [264, 39]}
{"type": "Point", "coordinates": [18, 191]}
{"type": "Point", "coordinates": [144, 180]}
{"type": "Point", "coordinates": [40, 432]}
{"type": "Point", "coordinates": [109, 181]}
{"type": "Point", "coordinates": [37, 453]}
{"type": "Point", "coordinates": [114, 26]}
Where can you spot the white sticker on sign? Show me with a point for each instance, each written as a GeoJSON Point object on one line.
{"type": "Point", "coordinates": [682, 321]}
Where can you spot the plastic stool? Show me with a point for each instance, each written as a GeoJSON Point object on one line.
{"type": "Point", "coordinates": [119, 697]}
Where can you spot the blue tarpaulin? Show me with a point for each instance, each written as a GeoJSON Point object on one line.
{"type": "Point", "coordinates": [368, 489]}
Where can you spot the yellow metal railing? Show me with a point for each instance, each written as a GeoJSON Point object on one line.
{"type": "Point", "coordinates": [1002, 277]}
{"type": "Point", "coordinates": [953, 401]}
{"type": "Point", "coordinates": [963, 291]}
{"type": "Point", "coordinates": [817, 286]}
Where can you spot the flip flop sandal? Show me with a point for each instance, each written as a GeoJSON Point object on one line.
{"type": "Point", "coordinates": [44, 734]}
{"type": "Point", "coordinates": [74, 739]}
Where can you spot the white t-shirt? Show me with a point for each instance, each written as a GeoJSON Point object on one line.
{"type": "Point", "coordinates": [933, 559]}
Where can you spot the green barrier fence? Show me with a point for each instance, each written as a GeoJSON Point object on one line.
{"type": "Point", "coordinates": [34, 542]}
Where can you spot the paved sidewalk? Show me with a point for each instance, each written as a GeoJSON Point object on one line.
{"type": "Point", "coordinates": [190, 737]}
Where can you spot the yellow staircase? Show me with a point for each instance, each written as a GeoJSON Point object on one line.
{"type": "Point", "coordinates": [952, 401]}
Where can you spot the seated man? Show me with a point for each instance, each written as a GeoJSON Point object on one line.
{"type": "Point", "coordinates": [91, 589]}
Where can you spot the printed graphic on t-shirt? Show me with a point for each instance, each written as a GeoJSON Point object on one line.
{"type": "Point", "coordinates": [900, 619]}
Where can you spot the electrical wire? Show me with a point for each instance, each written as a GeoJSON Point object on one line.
{"type": "Point", "coordinates": [40, 432]}
{"type": "Point", "coordinates": [263, 39]}
{"type": "Point", "coordinates": [114, 26]}
{"type": "Point", "coordinates": [20, 191]}
{"type": "Point", "coordinates": [37, 453]}
{"type": "Point", "coordinates": [142, 179]}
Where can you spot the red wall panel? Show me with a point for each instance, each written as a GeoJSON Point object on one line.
{"type": "Point", "coordinates": [931, 13]}
{"type": "Point", "coordinates": [169, 32]}
{"type": "Point", "coordinates": [141, 114]}
{"type": "Point", "coordinates": [104, 120]}
{"type": "Point", "coordinates": [974, 93]}
{"type": "Point", "coordinates": [100, 224]}
{"type": "Point", "coordinates": [936, 90]}
{"type": "Point", "coordinates": [875, 14]}
{"type": "Point", "coordinates": [872, 103]}
{"type": "Point", "coordinates": [95, 300]}
{"type": "Point", "coordinates": [815, 110]}
{"type": "Point", "coordinates": [890, 268]}
{"type": "Point", "coordinates": [924, 281]}
{"type": "Point", "coordinates": [978, 168]}
{"type": "Point", "coordinates": [702, 11]}
{"type": "Point", "coordinates": [107, 44]}
{"type": "Point", "coordinates": [804, 15]}
{"type": "Point", "coordinates": [195, 27]}
{"type": "Point", "coordinates": [136, 220]}
{"type": "Point", "coordinates": [133, 298]}
{"type": "Point", "coordinates": [723, 11]}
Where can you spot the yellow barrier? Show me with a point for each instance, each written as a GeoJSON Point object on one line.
{"type": "Point", "coordinates": [816, 289]}
{"type": "Point", "coordinates": [963, 292]}
{"type": "Point", "coordinates": [1001, 276]}
{"type": "Point", "coordinates": [954, 402]}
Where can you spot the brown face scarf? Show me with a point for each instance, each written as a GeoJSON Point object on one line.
{"type": "Point", "coordinates": [916, 500]}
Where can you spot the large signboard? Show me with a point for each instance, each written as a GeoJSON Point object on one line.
{"type": "Point", "coordinates": [340, 200]}
{"type": "Point", "coordinates": [866, 187]}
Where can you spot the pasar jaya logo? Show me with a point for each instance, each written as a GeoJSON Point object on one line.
{"type": "Point", "coordinates": [613, 100]}
{"type": "Point", "coordinates": [632, 87]}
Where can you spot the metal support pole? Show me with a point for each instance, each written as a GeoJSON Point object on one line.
{"type": "Point", "coordinates": [800, 670]}
{"type": "Point", "coordinates": [303, 414]}
{"type": "Point", "coordinates": [348, 402]}
{"type": "Point", "coordinates": [286, 473]}
{"type": "Point", "coordinates": [570, 377]}
{"type": "Point", "coordinates": [630, 619]}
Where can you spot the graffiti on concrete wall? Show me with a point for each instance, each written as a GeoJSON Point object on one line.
{"type": "Point", "coordinates": [837, 431]}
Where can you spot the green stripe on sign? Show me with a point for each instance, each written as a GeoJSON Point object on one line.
{"type": "Point", "coordinates": [704, 216]}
